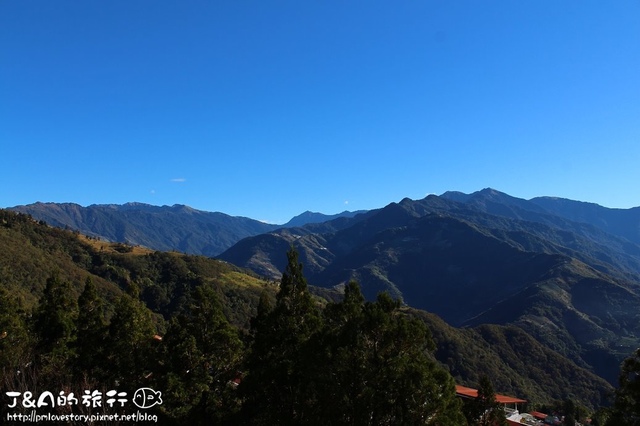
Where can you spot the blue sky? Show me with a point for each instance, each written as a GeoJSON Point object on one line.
{"type": "Point", "coordinates": [266, 109]}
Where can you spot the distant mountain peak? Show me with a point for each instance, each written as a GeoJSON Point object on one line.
{"type": "Point", "coordinates": [490, 191]}
{"type": "Point", "coordinates": [458, 196]}
{"type": "Point", "coordinates": [309, 217]}
{"type": "Point", "coordinates": [183, 208]}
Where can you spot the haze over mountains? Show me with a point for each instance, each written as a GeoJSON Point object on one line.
{"type": "Point", "coordinates": [564, 272]}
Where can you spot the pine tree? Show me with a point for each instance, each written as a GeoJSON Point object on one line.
{"type": "Point", "coordinates": [375, 367]}
{"type": "Point", "coordinates": [338, 361]}
{"type": "Point", "coordinates": [202, 354]}
{"type": "Point", "coordinates": [55, 315]}
{"type": "Point", "coordinates": [15, 340]}
{"type": "Point", "coordinates": [275, 387]}
{"type": "Point", "coordinates": [16, 356]}
{"type": "Point", "coordinates": [91, 332]}
{"type": "Point", "coordinates": [129, 352]}
{"type": "Point", "coordinates": [55, 331]}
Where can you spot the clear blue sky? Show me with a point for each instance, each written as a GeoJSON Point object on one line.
{"type": "Point", "coordinates": [268, 108]}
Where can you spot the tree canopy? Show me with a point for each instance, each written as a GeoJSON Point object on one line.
{"type": "Point", "coordinates": [626, 409]}
{"type": "Point", "coordinates": [357, 362]}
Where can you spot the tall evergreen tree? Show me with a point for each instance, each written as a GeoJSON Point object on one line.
{"type": "Point", "coordinates": [264, 309]}
{"type": "Point", "coordinates": [202, 354]}
{"type": "Point", "coordinates": [55, 315]}
{"type": "Point", "coordinates": [55, 331]}
{"type": "Point", "coordinates": [16, 349]}
{"type": "Point", "coordinates": [275, 387]}
{"type": "Point", "coordinates": [130, 337]}
{"type": "Point", "coordinates": [377, 369]}
{"type": "Point", "coordinates": [15, 340]}
{"type": "Point", "coordinates": [91, 333]}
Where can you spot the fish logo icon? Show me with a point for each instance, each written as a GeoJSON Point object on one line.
{"type": "Point", "coordinates": [147, 398]}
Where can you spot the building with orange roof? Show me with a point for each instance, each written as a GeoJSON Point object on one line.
{"type": "Point", "coordinates": [510, 406]}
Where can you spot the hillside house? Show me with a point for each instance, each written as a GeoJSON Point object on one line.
{"type": "Point", "coordinates": [509, 404]}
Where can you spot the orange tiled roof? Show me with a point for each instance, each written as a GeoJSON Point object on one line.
{"type": "Point", "coordinates": [473, 393]}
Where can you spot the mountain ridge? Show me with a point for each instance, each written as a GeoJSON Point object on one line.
{"type": "Point", "coordinates": [470, 261]}
{"type": "Point", "coordinates": [517, 363]}
{"type": "Point", "coordinates": [476, 260]}
{"type": "Point", "coordinates": [177, 227]}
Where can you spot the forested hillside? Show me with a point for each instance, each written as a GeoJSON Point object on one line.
{"type": "Point", "coordinates": [221, 343]}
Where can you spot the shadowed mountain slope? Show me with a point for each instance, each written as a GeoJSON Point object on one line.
{"type": "Point", "coordinates": [621, 222]}
{"type": "Point", "coordinates": [490, 259]}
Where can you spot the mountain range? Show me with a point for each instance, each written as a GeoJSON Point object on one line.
{"type": "Point", "coordinates": [178, 227]}
{"type": "Point", "coordinates": [484, 258]}
{"type": "Point", "coordinates": [33, 252]}
{"type": "Point", "coordinates": [564, 273]}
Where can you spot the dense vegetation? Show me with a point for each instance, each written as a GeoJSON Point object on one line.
{"type": "Point", "coordinates": [224, 346]}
